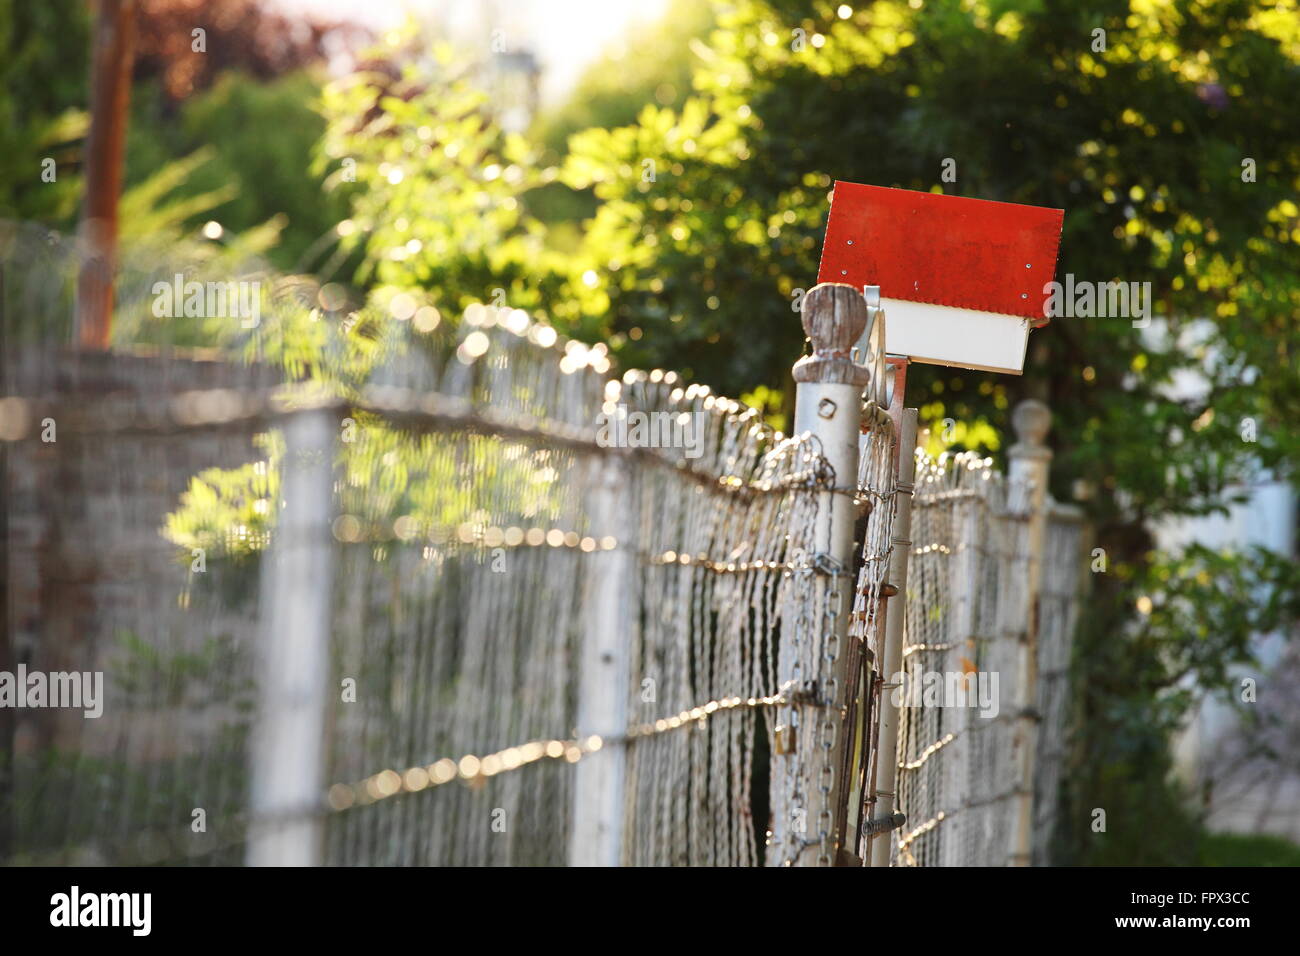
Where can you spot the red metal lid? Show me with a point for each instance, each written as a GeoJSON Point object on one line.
{"type": "Point", "coordinates": [946, 250]}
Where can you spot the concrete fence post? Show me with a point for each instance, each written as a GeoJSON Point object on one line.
{"type": "Point", "coordinates": [828, 405]}
{"type": "Point", "coordinates": [596, 834]}
{"type": "Point", "coordinates": [1029, 460]}
{"type": "Point", "coordinates": [288, 747]}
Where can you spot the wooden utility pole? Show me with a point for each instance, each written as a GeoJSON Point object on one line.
{"type": "Point", "coordinates": [112, 58]}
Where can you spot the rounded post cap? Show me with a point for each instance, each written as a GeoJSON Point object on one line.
{"type": "Point", "coordinates": [1031, 420]}
{"type": "Point", "coordinates": [834, 316]}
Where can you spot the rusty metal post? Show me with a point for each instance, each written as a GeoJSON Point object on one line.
{"type": "Point", "coordinates": [887, 756]}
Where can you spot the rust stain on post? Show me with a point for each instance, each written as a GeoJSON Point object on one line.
{"type": "Point", "coordinates": [110, 91]}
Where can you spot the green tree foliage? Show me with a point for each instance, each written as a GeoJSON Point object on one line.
{"type": "Point", "coordinates": [248, 94]}
{"type": "Point", "coordinates": [260, 176]}
{"type": "Point", "coordinates": [438, 202]}
{"type": "Point", "coordinates": [46, 50]}
{"type": "Point", "coordinates": [652, 63]}
{"type": "Point", "coordinates": [1163, 129]}
{"type": "Point", "coordinates": [649, 65]}
{"type": "Point", "coordinates": [1226, 849]}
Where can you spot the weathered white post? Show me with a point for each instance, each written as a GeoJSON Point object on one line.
{"type": "Point", "coordinates": [288, 747]}
{"type": "Point", "coordinates": [828, 404]}
{"type": "Point", "coordinates": [964, 584]}
{"type": "Point", "coordinates": [895, 618]}
{"type": "Point", "coordinates": [596, 834]}
{"type": "Point", "coordinates": [1029, 460]}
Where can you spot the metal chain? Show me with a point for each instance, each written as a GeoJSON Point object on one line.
{"type": "Point", "coordinates": [829, 726]}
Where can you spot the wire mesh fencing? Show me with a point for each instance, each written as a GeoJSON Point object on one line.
{"type": "Point", "coordinates": [128, 679]}
{"type": "Point", "coordinates": [437, 602]}
{"type": "Point", "coordinates": [377, 587]}
{"type": "Point", "coordinates": [153, 637]}
{"type": "Point", "coordinates": [964, 680]}
{"type": "Point", "coordinates": [524, 555]}
{"type": "Point", "coordinates": [1064, 569]}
